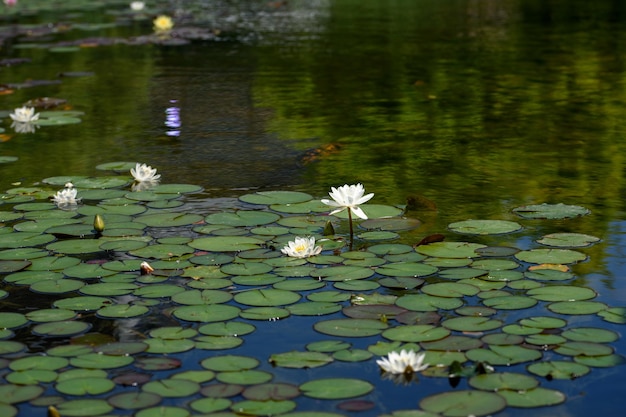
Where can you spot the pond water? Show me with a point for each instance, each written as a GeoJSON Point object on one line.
{"type": "Point", "coordinates": [464, 109]}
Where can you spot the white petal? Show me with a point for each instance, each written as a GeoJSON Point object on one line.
{"type": "Point", "coordinates": [359, 212]}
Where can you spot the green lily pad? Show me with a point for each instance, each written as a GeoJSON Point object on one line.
{"type": "Point", "coordinates": [425, 302]}
{"type": "Point", "coordinates": [503, 355]}
{"type": "Point", "coordinates": [577, 307]}
{"type": "Point", "coordinates": [484, 227]}
{"type": "Point", "coordinates": [49, 314]}
{"type": "Point", "coordinates": [85, 386]}
{"type": "Point", "coordinates": [275, 197]}
{"type": "Point", "coordinates": [450, 249]}
{"type": "Point", "coordinates": [510, 302]}
{"type": "Point", "coordinates": [336, 388]}
{"type": "Point", "coordinates": [550, 256]}
{"type": "Point", "coordinates": [471, 324]}
{"type": "Point", "coordinates": [562, 293]}
{"type": "Point", "coordinates": [536, 397]}
{"type": "Point", "coordinates": [388, 224]}
{"type": "Point", "coordinates": [31, 377]}
{"type": "Point", "coordinates": [584, 349]}
{"type": "Point", "coordinates": [559, 369]}
{"type": "Point", "coordinates": [463, 403]}
{"type": "Point", "coordinates": [407, 269]}
{"type": "Point", "coordinates": [415, 333]}
{"type": "Point", "coordinates": [226, 243]}
{"type": "Point", "coordinates": [568, 240]}
{"type": "Point", "coordinates": [173, 219]}
{"type": "Point", "coordinates": [100, 361]}
{"type": "Point", "coordinates": [267, 297]}
{"type": "Point", "coordinates": [61, 328]}
{"type": "Point", "coordinates": [13, 394]}
{"type": "Point", "coordinates": [172, 388]}
{"type": "Point", "coordinates": [550, 211]}
{"type": "Point", "coordinates": [450, 289]}
{"type": "Point", "coordinates": [134, 400]}
{"type": "Point", "coordinates": [84, 407]}
{"type": "Point", "coordinates": [614, 315]}
{"type": "Point", "coordinates": [263, 408]}
{"type": "Point", "coordinates": [295, 359]}
{"type": "Point", "coordinates": [245, 377]}
{"type": "Point", "coordinates": [206, 313]}
{"type": "Point", "coordinates": [119, 311]}
{"type": "Point", "coordinates": [210, 405]}
{"type": "Point", "coordinates": [342, 273]}
{"type": "Point", "coordinates": [503, 381]}
{"type": "Point", "coordinates": [350, 327]}
{"type": "Point", "coordinates": [264, 313]}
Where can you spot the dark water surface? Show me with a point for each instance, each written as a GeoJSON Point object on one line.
{"type": "Point", "coordinates": [479, 106]}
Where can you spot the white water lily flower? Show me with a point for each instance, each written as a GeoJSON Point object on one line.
{"type": "Point", "coordinates": [143, 172]}
{"type": "Point", "coordinates": [24, 115]}
{"type": "Point", "coordinates": [348, 197]}
{"type": "Point", "coordinates": [137, 5]}
{"type": "Point", "coordinates": [405, 362]}
{"type": "Point", "coordinates": [302, 247]}
{"type": "Point", "coordinates": [66, 197]}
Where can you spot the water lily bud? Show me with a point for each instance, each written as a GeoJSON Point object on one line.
{"type": "Point", "coordinates": [53, 412]}
{"type": "Point", "coordinates": [329, 230]}
{"type": "Point", "coordinates": [98, 223]}
{"type": "Point", "coordinates": [146, 268]}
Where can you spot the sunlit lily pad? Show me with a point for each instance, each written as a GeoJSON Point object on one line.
{"type": "Point", "coordinates": [614, 315]}
{"type": "Point", "coordinates": [484, 227]}
{"type": "Point", "coordinates": [450, 249]}
{"type": "Point", "coordinates": [210, 405]}
{"type": "Point", "coordinates": [263, 408]}
{"type": "Point", "coordinates": [406, 269]}
{"type": "Point", "coordinates": [425, 302]}
{"type": "Point", "coordinates": [336, 388]}
{"type": "Point", "coordinates": [577, 307]}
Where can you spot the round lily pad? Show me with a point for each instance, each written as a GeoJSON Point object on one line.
{"type": "Point", "coordinates": [206, 313]}
{"type": "Point", "coordinates": [568, 240]}
{"type": "Point", "coordinates": [463, 403]}
{"type": "Point", "coordinates": [295, 359]}
{"type": "Point", "coordinates": [134, 400]}
{"type": "Point", "coordinates": [536, 397]}
{"type": "Point", "coordinates": [275, 197]}
{"type": "Point", "coordinates": [559, 369]}
{"type": "Point", "coordinates": [484, 227]}
{"type": "Point", "coordinates": [172, 388]}
{"type": "Point", "coordinates": [550, 256]}
{"type": "Point", "coordinates": [562, 293]}
{"type": "Point", "coordinates": [85, 386]}
{"type": "Point", "coordinates": [61, 328]}
{"type": "Point", "coordinates": [267, 297]}
{"type": "Point", "coordinates": [336, 388]}
{"type": "Point", "coordinates": [450, 249]}
{"type": "Point", "coordinates": [350, 327]}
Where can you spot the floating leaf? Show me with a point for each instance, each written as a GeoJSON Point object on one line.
{"type": "Point", "coordinates": [536, 397]}
{"type": "Point", "coordinates": [350, 327]}
{"type": "Point", "coordinates": [568, 240]}
{"type": "Point", "coordinates": [450, 249]}
{"type": "Point", "coordinates": [463, 403]}
{"type": "Point", "coordinates": [336, 388]}
{"type": "Point", "coordinates": [484, 227]}
{"type": "Point", "coordinates": [550, 211]}
{"type": "Point", "coordinates": [295, 359]}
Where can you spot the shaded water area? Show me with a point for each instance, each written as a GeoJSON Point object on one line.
{"type": "Point", "coordinates": [467, 109]}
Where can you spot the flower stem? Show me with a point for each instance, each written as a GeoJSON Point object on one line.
{"type": "Point", "coordinates": [351, 229]}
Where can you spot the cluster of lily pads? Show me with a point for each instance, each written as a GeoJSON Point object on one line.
{"type": "Point", "coordinates": [26, 120]}
{"type": "Point", "coordinates": [166, 272]}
